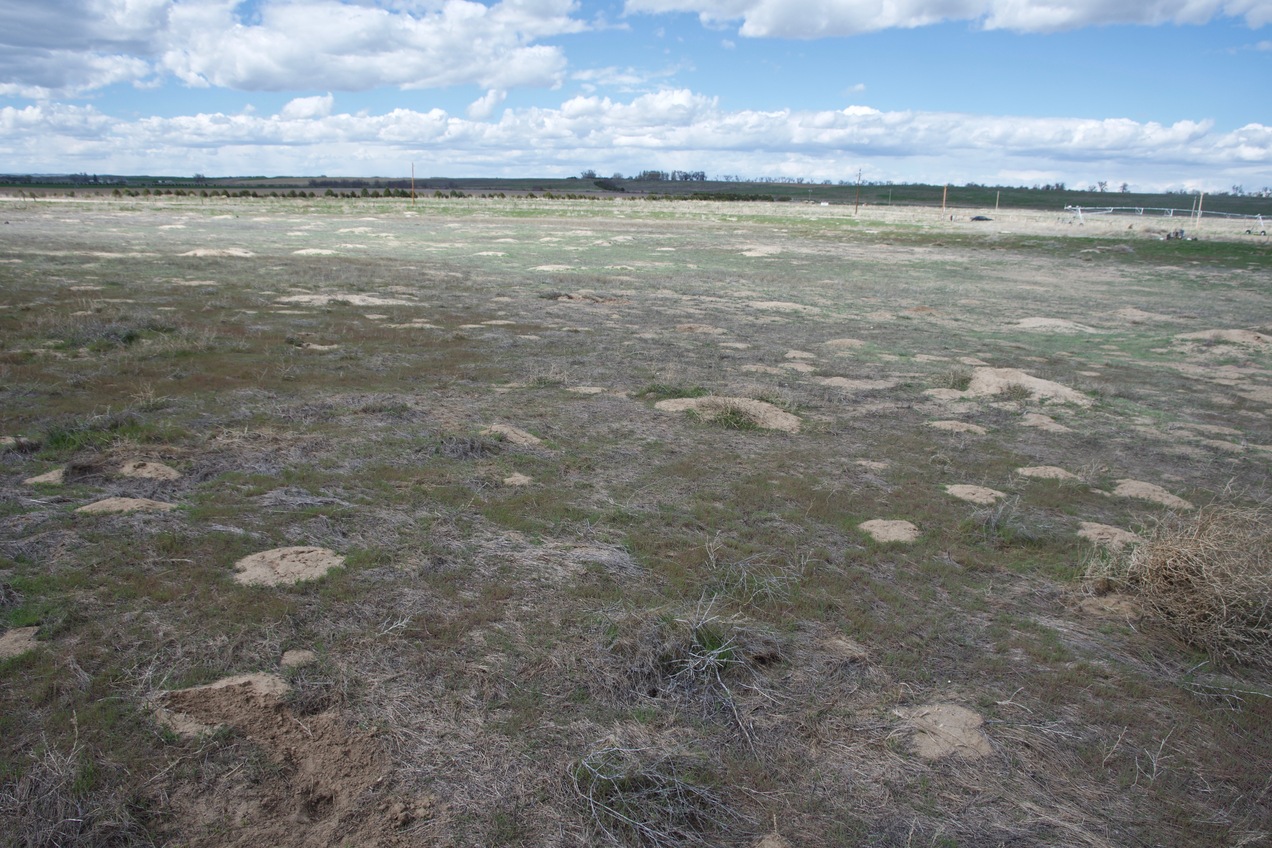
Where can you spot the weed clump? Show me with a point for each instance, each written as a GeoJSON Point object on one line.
{"type": "Point", "coordinates": [666, 391]}
{"type": "Point", "coordinates": [55, 803]}
{"type": "Point", "coordinates": [1205, 577]}
{"type": "Point", "coordinates": [650, 796]}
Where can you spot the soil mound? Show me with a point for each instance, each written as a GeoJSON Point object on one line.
{"type": "Point", "coordinates": [958, 427]}
{"type": "Point", "coordinates": [149, 470]}
{"type": "Point", "coordinates": [857, 385]}
{"type": "Point", "coordinates": [126, 505]}
{"type": "Point", "coordinates": [760, 414]}
{"type": "Point", "coordinates": [1106, 536]}
{"type": "Point", "coordinates": [319, 794]}
{"type": "Point", "coordinates": [1149, 492]}
{"type": "Point", "coordinates": [1055, 325]}
{"type": "Point", "coordinates": [18, 641]}
{"type": "Point", "coordinates": [229, 251]}
{"type": "Point", "coordinates": [975, 494]}
{"type": "Point", "coordinates": [285, 566]}
{"type": "Point", "coordinates": [883, 530]}
{"type": "Point", "coordinates": [993, 381]}
{"type": "Point", "coordinates": [1046, 472]}
{"type": "Point", "coordinates": [942, 730]}
{"type": "Point", "coordinates": [512, 434]}
{"type": "Point", "coordinates": [1044, 422]}
{"type": "Point", "coordinates": [50, 478]}
{"type": "Point", "coordinates": [1244, 338]}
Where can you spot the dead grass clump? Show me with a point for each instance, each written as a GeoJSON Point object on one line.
{"type": "Point", "coordinates": [651, 796]}
{"type": "Point", "coordinates": [1206, 577]}
{"type": "Point", "coordinates": [55, 803]}
{"type": "Point", "coordinates": [696, 656]}
{"type": "Point", "coordinates": [466, 447]}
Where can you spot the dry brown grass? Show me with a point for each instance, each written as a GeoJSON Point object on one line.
{"type": "Point", "coordinates": [1206, 577]}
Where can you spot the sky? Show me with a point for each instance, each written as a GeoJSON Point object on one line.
{"type": "Point", "coordinates": [1155, 94]}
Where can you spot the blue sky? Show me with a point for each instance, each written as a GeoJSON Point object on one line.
{"type": "Point", "coordinates": [1167, 94]}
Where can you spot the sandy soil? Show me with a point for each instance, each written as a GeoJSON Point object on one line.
{"type": "Point", "coordinates": [975, 494]}
{"type": "Point", "coordinates": [762, 414]}
{"type": "Point", "coordinates": [18, 641]}
{"type": "Point", "coordinates": [286, 565]}
{"type": "Point", "coordinates": [884, 530]}
{"type": "Point", "coordinates": [107, 505]}
{"type": "Point", "coordinates": [943, 730]}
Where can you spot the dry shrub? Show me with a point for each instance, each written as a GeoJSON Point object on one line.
{"type": "Point", "coordinates": [54, 804]}
{"type": "Point", "coordinates": [651, 796]}
{"type": "Point", "coordinates": [1206, 577]}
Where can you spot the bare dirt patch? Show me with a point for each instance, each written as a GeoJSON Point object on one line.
{"type": "Point", "coordinates": [759, 413]}
{"type": "Point", "coordinates": [1055, 325]}
{"type": "Point", "coordinates": [1242, 338]}
{"type": "Point", "coordinates": [1046, 472]}
{"type": "Point", "coordinates": [235, 252]}
{"type": "Point", "coordinates": [857, 385]}
{"type": "Point", "coordinates": [1107, 536]}
{"type": "Point", "coordinates": [50, 478]}
{"type": "Point", "coordinates": [147, 470]}
{"type": "Point", "coordinates": [286, 565]}
{"type": "Point", "coordinates": [945, 730]}
{"type": "Point", "coordinates": [975, 494]}
{"type": "Point", "coordinates": [1149, 492]}
{"type": "Point", "coordinates": [18, 641]}
{"type": "Point", "coordinates": [107, 505]}
{"type": "Point", "coordinates": [326, 774]}
{"type": "Point", "coordinates": [513, 434]}
{"type": "Point", "coordinates": [351, 298]}
{"type": "Point", "coordinates": [958, 427]}
{"type": "Point", "coordinates": [995, 381]}
{"type": "Point", "coordinates": [1044, 422]}
{"type": "Point", "coordinates": [885, 530]}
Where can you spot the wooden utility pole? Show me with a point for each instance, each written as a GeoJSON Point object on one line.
{"type": "Point", "coordinates": [944, 193]}
{"type": "Point", "coordinates": [412, 185]}
{"type": "Point", "coordinates": [856, 204]}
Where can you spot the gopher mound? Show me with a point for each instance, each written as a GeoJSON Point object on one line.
{"type": "Point", "coordinates": [107, 505]}
{"type": "Point", "coordinates": [145, 470]}
{"type": "Point", "coordinates": [975, 494]}
{"type": "Point", "coordinates": [993, 381]}
{"type": "Point", "coordinates": [513, 434]}
{"type": "Point", "coordinates": [18, 641]}
{"type": "Point", "coordinates": [757, 413]}
{"type": "Point", "coordinates": [942, 730]}
{"type": "Point", "coordinates": [1150, 492]}
{"type": "Point", "coordinates": [325, 785]}
{"type": "Point", "coordinates": [285, 566]}
{"type": "Point", "coordinates": [882, 530]}
{"type": "Point", "coordinates": [1106, 536]}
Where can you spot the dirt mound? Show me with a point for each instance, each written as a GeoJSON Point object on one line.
{"type": "Point", "coordinates": [843, 344]}
{"type": "Point", "coordinates": [1044, 422]}
{"type": "Point", "coordinates": [126, 505]}
{"type": "Point", "coordinates": [149, 470]}
{"type": "Point", "coordinates": [1106, 536]}
{"type": "Point", "coordinates": [993, 381]}
{"type": "Point", "coordinates": [1131, 315]}
{"type": "Point", "coordinates": [975, 494]}
{"type": "Point", "coordinates": [958, 427]}
{"type": "Point", "coordinates": [857, 385]}
{"type": "Point", "coordinates": [313, 251]}
{"type": "Point", "coordinates": [1055, 325]}
{"type": "Point", "coordinates": [1149, 492]}
{"type": "Point", "coordinates": [351, 298]}
{"type": "Point", "coordinates": [229, 251]}
{"type": "Point", "coordinates": [1243, 338]}
{"type": "Point", "coordinates": [781, 306]}
{"type": "Point", "coordinates": [1046, 472]}
{"type": "Point", "coordinates": [18, 641]}
{"type": "Point", "coordinates": [942, 730]}
{"type": "Point", "coordinates": [760, 414]}
{"type": "Point", "coordinates": [285, 565]}
{"type": "Point", "coordinates": [883, 530]}
{"type": "Point", "coordinates": [517, 479]}
{"type": "Point", "coordinates": [700, 328]}
{"type": "Point", "coordinates": [50, 478]}
{"type": "Point", "coordinates": [512, 434]}
{"type": "Point", "coordinates": [320, 791]}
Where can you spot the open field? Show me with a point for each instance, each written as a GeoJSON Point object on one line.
{"type": "Point", "coordinates": [595, 475]}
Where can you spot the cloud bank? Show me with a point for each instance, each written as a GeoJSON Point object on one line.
{"type": "Point", "coordinates": [69, 47]}
{"type": "Point", "coordinates": [825, 18]}
{"type": "Point", "coordinates": [669, 129]}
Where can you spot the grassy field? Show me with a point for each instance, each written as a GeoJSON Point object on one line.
{"type": "Point", "coordinates": [598, 473]}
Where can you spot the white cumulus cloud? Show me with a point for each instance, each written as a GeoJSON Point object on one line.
{"type": "Point", "coordinates": [823, 18]}
{"type": "Point", "coordinates": [71, 46]}
{"type": "Point", "coordinates": [669, 129]}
